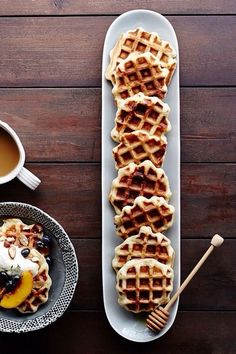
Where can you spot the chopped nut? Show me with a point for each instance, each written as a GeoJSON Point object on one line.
{"type": "Point", "coordinates": [10, 239]}
{"type": "Point", "coordinates": [24, 240]}
{"type": "Point", "coordinates": [7, 244]}
{"type": "Point", "coordinates": [12, 252]}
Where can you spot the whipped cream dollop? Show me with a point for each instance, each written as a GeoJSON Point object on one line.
{"type": "Point", "coordinates": [19, 263]}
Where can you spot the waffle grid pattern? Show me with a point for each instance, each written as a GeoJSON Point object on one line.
{"type": "Point", "coordinates": [138, 180]}
{"type": "Point", "coordinates": [140, 146]}
{"type": "Point", "coordinates": [140, 112]}
{"type": "Point", "coordinates": [141, 67]}
{"type": "Point", "coordinates": [41, 285]}
{"type": "Point", "coordinates": [153, 212]}
{"type": "Point", "coordinates": [140, 73]}
{"type": "Point", "coordinates": [139, 40]}
{"type": "Point", "coordinates": [144, 245]}
{"type": "Point", "coordinates": [144, 284]}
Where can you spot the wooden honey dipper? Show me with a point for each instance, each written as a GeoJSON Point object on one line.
{"type": "Point", "coordinates": [157, 318]}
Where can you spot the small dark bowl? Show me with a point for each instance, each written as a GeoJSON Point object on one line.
{"type": "Point", "coordinates": [63, 271]}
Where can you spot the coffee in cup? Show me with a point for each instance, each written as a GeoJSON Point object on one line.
{"type": "Point", "coordinates": [12, 158]}
{"type": "Point", "coordinates": [9, 153]}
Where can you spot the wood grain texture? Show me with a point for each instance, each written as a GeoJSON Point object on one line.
{"type": "Point", "coordinates": [208, 130]}
{"type": "Point", "coordinates": [72, 7]}
{"type": "Point", "coordinates": [213, 288]}
{"type": "Point", "coordinates": [71, 193]}
{"type": "Point", "coordinates": [43, 46]}
{"type": "Point", "coordinates": [90, 333]}
{"type": "Point", "coordinates": [66, 52]}
{"type": "Point", "coordinates": [208, 199]}
{"type": "Point", "coordinates": [66, 123]}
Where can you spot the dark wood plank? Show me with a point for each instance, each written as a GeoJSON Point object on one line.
{"type": "Point", "coordinates": [70, 7]}
{"type": "Point", "coordinates": [208, 130]}
{"type": "Point", "coordinates": [65, 123]}
{"type": "Point", "coordinates": [213, 288]}
{"type": "Point", "coordinates": [66, 51]}
{"type": "Point", "coordinates": [57, 118]}
{"type": "Point", "coordinates": [90, 333]}
{"type": "Point", "coordinates": [208, 199]}
{"type": "Point", "coordinates": [71, 194]}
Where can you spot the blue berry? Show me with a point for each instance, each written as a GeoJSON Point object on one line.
{"type": "Point", "coordinates": [40, 244]}
{"type": "Point", "coordinates": [46, 240]}
{"type": "Point", "coordinates": [25, 252]}
{"type": "Point", "coordinates": [4, 277]}
{"type": "Point", "coordinates": [12, 283]}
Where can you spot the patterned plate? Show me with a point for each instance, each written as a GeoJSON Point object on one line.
{"type": "Point", "coordinates": [63, 271]}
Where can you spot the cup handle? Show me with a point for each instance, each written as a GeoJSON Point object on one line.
{"type": "Point", "coordinates": [28, 178]}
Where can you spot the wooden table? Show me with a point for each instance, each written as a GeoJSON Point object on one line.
{"type": "Point", "coordinates": [50, 77]}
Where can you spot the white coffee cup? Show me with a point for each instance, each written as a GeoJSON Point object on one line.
{"type": "Point", "coordinates": [19, 171]}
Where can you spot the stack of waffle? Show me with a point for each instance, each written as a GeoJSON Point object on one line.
{"type": "Point", "coordinates": [141, 67]}
{"type": "Point", "coordinates": [41, 284]}
{"type": "Point", "coordinates": [15, 232]}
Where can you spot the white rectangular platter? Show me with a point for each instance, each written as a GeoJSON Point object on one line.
{"type": "Point", "coordinates": [129, 325]}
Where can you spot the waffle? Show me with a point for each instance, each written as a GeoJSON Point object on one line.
{"type": "Point", "coordinates": [143, 284]}
{"type": "Point", "coordinates": [139, 146]}
{"type": "Point", "coordinates": [14, 231]}
{"type": "Point", "coordinates": [140, 72]}
{"type": "Point", "coordinates": [153, 212]}
{"type": "Point", "coordinates": [41, 285]}
{"type": "Point", "coordinates": [135, 180]}
{"type": "Point", "coordinates": [144, 245]}
{"type": "Point", "coordinates": [139, 40]}
{"type": "Point", "coordinates": [140, 112]}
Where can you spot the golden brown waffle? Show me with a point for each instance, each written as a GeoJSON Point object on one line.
{"type": "Point", "coordinates": [140, 112]}
{"type": "Point", "coordinates": [139, 40]}
{"type": "Point", "coordinates": [144, 245]}
{"type": "Point", "coordinates": [154, 212]}
{"type": "Point", "coordinates": [135, 180]}
{"type": "Point", "coordinates": [139, 146]}
{"type": "Point", "coordinates": [140, 72]}
{"type": "Point", "coordinates": [143, 284]}
{"type": "Point", "coordinates": [41, 285]}
{"type": "Point", "coordinates": [14, 231]}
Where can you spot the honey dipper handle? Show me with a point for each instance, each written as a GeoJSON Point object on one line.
{"type": "Point", "coordinates": [216, 241]}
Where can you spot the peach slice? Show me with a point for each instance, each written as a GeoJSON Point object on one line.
{"type": "Point", "coordinates": [15, 298]}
